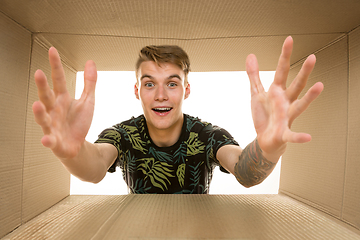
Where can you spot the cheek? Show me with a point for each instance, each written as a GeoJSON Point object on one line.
{"type": "Point", "coordinates": [143, 99]}
{"type": "Point", "coordinates": [178, 96]}
{"type": "Point", "coordinates": [144, 94]}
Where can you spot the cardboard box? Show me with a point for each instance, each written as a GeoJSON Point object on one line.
{"type": "Point", "coordinates": [182, 217]}
{"type": "Point", "coordinates": [218, 35]}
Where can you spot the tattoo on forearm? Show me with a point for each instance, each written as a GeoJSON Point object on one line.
{"type": "Point", "coordinates": [252, 167]}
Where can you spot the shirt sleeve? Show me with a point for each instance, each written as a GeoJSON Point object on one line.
{"type": "Point", "coordinates": [217, 138]}
{"type": "Point", "coordinates": [113, 137]}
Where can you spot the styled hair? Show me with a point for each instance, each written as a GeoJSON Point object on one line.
{"type": "Point", "coordinates": [164, 54]}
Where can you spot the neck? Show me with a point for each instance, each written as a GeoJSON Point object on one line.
{"type": "Point", "coordinates": [166, 137]}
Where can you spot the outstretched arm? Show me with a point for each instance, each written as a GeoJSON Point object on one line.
{"type": "Point", "coordinates": [273, 113]}
{"type": "Point", "coordinates": [66, 122]}
{"type": "Point", "coordinates": [248, 165]}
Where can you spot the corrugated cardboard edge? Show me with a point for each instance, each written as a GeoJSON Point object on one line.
{"type": "Point", "coordinates": [323, 211]}
{"type": "Point", "coordinates": [349, 211]}
{"type": "Point", "coordinates": [21, 213]}
{"type": "Point", "coordinates": [351, 200]}
{"type": "Point", "coordinates": [45, 180]}
{"type": "Point", "coordinates": [183, 217]}
{"type": "Point", "coordinates": [315, 170]}
{"type": "Point", "coordinates": [15, 55]}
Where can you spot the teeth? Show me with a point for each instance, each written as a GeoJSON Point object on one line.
{"type": "Point", "coordinates": [162, 109]}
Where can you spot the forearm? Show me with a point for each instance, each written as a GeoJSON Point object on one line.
{"type": "Point", "coordinates": [92, 162]}
{"type": "Point", "coordinates": [253, 167]}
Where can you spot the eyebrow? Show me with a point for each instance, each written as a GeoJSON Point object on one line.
{"type": "Point", "coordinates": [145, 76]}
{"type": "Point", "coordinates": [175, 76]}
{"type": "Point", "coordinates": [170, 77]}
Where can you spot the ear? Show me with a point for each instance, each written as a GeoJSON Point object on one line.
{"type": "Point", "coordinates": [136, 90]}
{"type": "Point", "coordinates": [187, 91]}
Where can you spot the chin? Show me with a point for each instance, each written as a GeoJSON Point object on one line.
{"type": "Point", "coordinates": [161, 125]}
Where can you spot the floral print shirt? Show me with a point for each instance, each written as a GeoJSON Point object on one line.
{"type": "Point", "coordinates": [185, 167]}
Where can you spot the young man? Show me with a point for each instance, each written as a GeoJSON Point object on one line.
{"type": "Point", "coordinates": [164, 150]}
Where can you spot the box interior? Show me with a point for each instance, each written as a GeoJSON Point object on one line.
{"type": "Point", "coordinates": [218, 35]}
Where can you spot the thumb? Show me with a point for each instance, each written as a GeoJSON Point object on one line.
{"type": "Point", "coordinates": [90, 78]}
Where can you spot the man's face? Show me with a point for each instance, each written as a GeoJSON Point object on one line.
{"type": "Point", "coordinates": [161, 90]}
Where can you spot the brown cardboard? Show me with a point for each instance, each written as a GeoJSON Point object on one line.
{"type": "Point", "coordinates": [351, 204]}
{"type": "Point", "coordinates": [315, 171]}
{"type": "Point", "coordinates": [14, 68]}
{"type": "Point", "coordinates": [227, 54]}
{"type": "Point", "coordinates": [32, 179]}
{"type": "Point", "coordinates": [45, 180]}
{"type": "Point", "coordinates": [324, 173]}
{"type": "Point", "coordinates": [182, 217]}
{"type": "Point", "coordinates": [217, 35]}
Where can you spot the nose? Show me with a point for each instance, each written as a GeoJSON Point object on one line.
{"type": "Point", "coordinates": [161, 94]}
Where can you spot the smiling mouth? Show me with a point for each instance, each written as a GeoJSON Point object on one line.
{"type": "Point", "coordinates": [162, 110]}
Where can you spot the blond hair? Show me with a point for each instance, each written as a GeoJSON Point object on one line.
{"type": "Point", "coordinates": [164, 54]}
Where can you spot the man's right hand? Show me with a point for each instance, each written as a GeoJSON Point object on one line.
{"type": "Point", "coordinates": [64, 120]}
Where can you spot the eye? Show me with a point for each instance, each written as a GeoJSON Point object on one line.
{"type": "Point", "coordinates": [149, 84]}
{"type": "Point", "coordinates": [172, 84]}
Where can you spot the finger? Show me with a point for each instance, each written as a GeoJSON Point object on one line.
{"type": "Point", "coordinates": [48, 141]}
{"type": "Point", "coordinates": [301, 105]}
{"type": "Point", "coordinates": [300, 81]}
{"type": "Point", "coordinates": [294, 137]}
{"type": "Point", "coordinates": [252, 70]}
{"type": "Point", "coordinates": [57, 72]}
{"type": "Point", "coordinates": [46, 95]}
{"type": "Point", "coordinates": [283, 67]}
{"type": "Point", "coordinates": [90, 77]}
{"type": "Point", "coordinates": [44, 120]}
{"type": "Point", "coordinates": [41, 116]}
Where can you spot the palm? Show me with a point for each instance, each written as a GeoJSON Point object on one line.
{"type": "Point", "coordinates": [274, 111]}
{"type": "Point", "coordinates": [70, 127]}
{"type": "Point", "coordinates": [64, 120]}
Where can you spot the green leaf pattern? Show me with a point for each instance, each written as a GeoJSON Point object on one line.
{"type": "Point", "coordinates": [158, 172]}
{"type": "Point", "coordinates": [195, 174]}
{"type": "Point", "coordinates": [135, 138]}
{"type": "Point", "coordinates": [180, 173]}
{"type": "Point", "coordinates": [185, 167]}
{"type": "Point", "coordinates": [194, 145]}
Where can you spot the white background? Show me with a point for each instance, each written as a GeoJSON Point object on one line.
{"type": "Point", "coordinates": [221, 98]}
